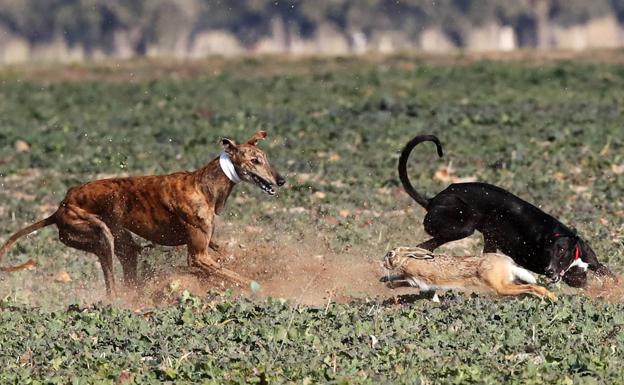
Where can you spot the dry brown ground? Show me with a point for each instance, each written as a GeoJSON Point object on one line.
{"type": "Point", "coordinates": [250, 67]}
{"type": "Point", "coordinates": [304, 275]}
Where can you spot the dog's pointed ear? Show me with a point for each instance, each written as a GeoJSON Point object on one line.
{"type": "Point", "coordinates": [229, 146]}
{"type": "Point", "coordinates": [256, 137]}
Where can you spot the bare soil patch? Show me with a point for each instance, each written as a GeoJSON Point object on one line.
{"type": "Point", "coordinates": [305, 274]}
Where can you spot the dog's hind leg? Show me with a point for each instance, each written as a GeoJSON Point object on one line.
{"type": "Point", "coordinates": [488, 245]}
{"type": "Point", "coordinates": [448, 219]}
{"type": "Point", "coordinates": [127, 251]}
{"type": "Point", "coordinates": [85, 231]}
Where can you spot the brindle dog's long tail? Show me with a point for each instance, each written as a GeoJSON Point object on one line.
{"type": "Point", "coordinates": [407, 185]}
{"type": "Point", "coordinates": [25, 231]}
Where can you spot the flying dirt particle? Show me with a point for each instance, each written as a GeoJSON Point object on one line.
{"type": "Point", "coordinates": [62, 277]}
{"type": "Point", "coordinates": [254, 229]}
{"type": "Point", "coordinates": [124, 376]}
{"type": "Point", "coordinates": [297, 210]}
{"type": "Point", "coordinates": [446, 174]}
{"type": "Point", "coordinates": [333, 157]}
{"type": "Point", "coordinates": [331, 220]}
{"type": "Point", "coordinates": [175, 285]}
{"type": "Point", "coordinates": [23, 196]}
{"type": "Point", "coordinates": [319, 195]}
{"type": "Point", "coordinates": [338, 184]}
{"type": "Point", "coordinates": [559, 176]}
{"type": "Point", "coordinates": [241, 200]}
{"type": "Point", "coordinates": [374, 341]}
{"type": "Point", "coordinates": [344, 213]}
{"type": "Point", "coordinates": [319, 257]}
{"type": "Point", "coordinates": [22, 146]}
{"type": "Point", "coordinates": [579, 189]}
{"type": "Point", "coordinates": [26, 357]}
{"type": "Point", "coordinates": [617, 169]}
{"type": "Point", "coordinates": [303, 177]}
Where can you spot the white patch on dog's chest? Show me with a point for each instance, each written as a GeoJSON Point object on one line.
{"type": "Point", "coordinates": [579, 263]}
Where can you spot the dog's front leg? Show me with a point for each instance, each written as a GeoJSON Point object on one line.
{"type": "Point", "coordinates": [199, 257]}
{"type": "Point", "coordinates": [590, 258]}
{"type": "Point", "coordinates": [212, 244]}
{"type": "Point", "coordinates": [599, 268]}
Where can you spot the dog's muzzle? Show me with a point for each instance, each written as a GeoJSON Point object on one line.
{"type": "Point", "coordinates": [554, 278]}
{"type": "Point", "coordinates": [265, 185]}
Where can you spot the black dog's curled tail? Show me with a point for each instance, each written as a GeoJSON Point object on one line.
{"type": "Point", "coordinates": [407, 185]}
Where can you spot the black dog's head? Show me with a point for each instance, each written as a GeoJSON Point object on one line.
{"type": "Point", "coordinates": [566, 252]}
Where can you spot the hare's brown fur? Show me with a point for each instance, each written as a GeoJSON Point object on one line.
{"type": "Point", "coordinates": [421, 268]}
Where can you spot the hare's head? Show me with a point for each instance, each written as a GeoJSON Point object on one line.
{"type": "Point", "coordinates": [397, 257]}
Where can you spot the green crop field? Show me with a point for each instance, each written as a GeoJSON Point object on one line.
{"type": "Point", "coordinates": [550, 131]}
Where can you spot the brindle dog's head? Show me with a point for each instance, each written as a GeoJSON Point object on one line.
{"type": "Point", "coordinates": [251, 163]}
{"type": "Point", "coordinates": [566, 253]}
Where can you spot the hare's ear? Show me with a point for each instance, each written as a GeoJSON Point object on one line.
{"type": "Point", "coordinates": [256, 137]}
{"type": "Point", "coordinates": [419, 256]}
{"type": "Point", "coordinates": [229, 146]}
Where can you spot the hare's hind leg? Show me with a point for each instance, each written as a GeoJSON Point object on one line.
{"type": "Point", "coordinates": [512, 289]}
{"type": "Point", "coordinates": [497, 276]}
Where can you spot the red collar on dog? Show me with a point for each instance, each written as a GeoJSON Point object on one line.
{"type": "Point", "coordinates": [577, 249]}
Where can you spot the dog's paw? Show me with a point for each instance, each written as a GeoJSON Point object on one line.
{"type": "Point", "coordinates": [576, 277]}
{"type": "Point", "coordinates": [604, 271]}
{"type": "Point", "coordinates": [385, 278]}
{"type": "Point", "coordinates": [214, 246]}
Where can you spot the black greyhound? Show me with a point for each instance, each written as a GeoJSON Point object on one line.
{"type": "Point", "coordinates": [532, 238]}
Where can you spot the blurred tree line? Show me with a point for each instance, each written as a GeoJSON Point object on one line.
{"type": "Point", "coordinates": [92, 24]}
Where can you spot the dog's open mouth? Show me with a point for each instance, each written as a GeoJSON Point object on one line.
{"type": "Point", "coordinates": [263, 184]}
{"type": "Point", "coordinates": [556, 278]}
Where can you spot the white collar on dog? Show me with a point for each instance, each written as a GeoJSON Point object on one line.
{"type": "Point", "coordinates": [228, 167]}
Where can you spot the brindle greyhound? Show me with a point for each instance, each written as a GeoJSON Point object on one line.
{"type": "Point", "coordinates": [172, 210]}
